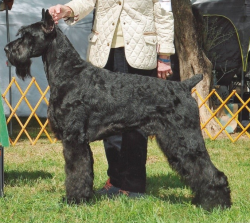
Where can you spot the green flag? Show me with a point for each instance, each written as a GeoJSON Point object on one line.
{"type": "Point", "coordinates": [4, 136]}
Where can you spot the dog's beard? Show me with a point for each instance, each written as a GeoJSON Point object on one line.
{"type": "Point", "coordinates": [23, 69]}
{"type": "Point", "coordinates": [20, 60]}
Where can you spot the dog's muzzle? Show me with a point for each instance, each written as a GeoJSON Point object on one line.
{"type": "Point", "coordinates": [6, 49]}
{"type": "Point", "coordinates": [8, 53]}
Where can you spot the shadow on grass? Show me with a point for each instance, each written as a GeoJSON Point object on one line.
{"type": "Point", "coordinates": [15, 178]}
{"type": "Point", "coordinates": [168, 187]}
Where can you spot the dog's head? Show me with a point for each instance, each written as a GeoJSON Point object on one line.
{"type": "Point", "coordinates": [33, 42]}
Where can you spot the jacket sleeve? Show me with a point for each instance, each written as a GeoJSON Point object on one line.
{"type": "Point", "coordinates": [164, 23]}
{"type": "Point", "coordinates": [81, 8]}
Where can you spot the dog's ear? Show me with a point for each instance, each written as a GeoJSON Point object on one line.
{"type": "Point", "coordinates": [43, 14]}
{"type": "Point", "coordinates": [20, 31]}
{"type": "Point", "coordinates": [48, 23]}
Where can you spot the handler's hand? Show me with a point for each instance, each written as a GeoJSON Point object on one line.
{"type": "Point", "coordinates": [59, 11]}
{"type": "Point", "coordinates": [164, 69]}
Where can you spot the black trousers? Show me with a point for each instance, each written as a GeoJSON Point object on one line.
{"type": "Point", "coordinates": [127, 153]}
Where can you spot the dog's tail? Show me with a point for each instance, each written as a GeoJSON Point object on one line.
{"type": "Point", "coordinates": [191, 82]}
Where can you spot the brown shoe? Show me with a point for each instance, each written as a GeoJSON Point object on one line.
{"type": "Point", "coordinates": [131, 194]}
{"type": "Point", "coordinates": [108, 189]}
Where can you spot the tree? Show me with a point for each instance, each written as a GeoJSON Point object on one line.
{"type": "Point", "coordinates": [192, 59]}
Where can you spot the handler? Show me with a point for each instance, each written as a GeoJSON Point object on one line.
{"type": "Point", "coordinates": [128, 36]}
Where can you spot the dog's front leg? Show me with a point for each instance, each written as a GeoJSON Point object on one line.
{"type": "Point", "coordinates": [79, 171]}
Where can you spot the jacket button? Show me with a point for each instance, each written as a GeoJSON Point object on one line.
{"type": "Point", "coordinates": [107, 44]}
{"type": "Point", "coordinates": [119, 3]}
{"type": "Point", "coordinates": [113, 23]}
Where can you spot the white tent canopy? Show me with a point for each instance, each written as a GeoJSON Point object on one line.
{"type": "Point", "coordinates": [24, 13]}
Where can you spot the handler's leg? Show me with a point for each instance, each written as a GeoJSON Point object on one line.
{"type": "Point", "coordinates": [133, 161]}
{"type": "Point", "coordinates": [112, 144]}
{"type": "Point", "coordinates": [112, 147]}
{"type": "Point", "coordinates": [135, 147]}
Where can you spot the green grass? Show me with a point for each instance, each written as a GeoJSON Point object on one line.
{"type": "Point", "coordinates": [34, 187]}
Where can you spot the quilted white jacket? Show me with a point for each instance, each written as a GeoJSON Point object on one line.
{"type": "Point", "coordinates": [147, 28]}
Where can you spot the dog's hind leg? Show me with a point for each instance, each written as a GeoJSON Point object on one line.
{"type": "Point", "coordinates": [79, 172]}
{"type": "Point", "coordinates": [187, 154]}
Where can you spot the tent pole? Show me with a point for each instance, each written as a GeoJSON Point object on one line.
{"type": "Point", "coordinates": [1, 172]}
{"type": "Point", "coordinates": [8, 64]}
{"type": "Point", "coordinates": [242, 89]}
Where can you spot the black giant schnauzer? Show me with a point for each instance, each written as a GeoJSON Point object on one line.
{"type": "Point", "coordinates": [88, 103]}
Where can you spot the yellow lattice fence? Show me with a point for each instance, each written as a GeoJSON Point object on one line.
{"type": "Point", "coordinates": [23, 130]}
{"type": "Point", "coordinates": [230, 118]}
{"type": "Point", "coordinates": [23, 124]}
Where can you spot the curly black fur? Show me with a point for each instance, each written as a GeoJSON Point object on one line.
{"type": "Point", "coordinates": [88, 103]}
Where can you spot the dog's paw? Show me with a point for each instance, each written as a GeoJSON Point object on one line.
{"type": "Point", "coordinates": [75, 201]}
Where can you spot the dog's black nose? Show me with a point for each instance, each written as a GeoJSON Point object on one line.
{"type": "Point", "coordinates": [6, 48]}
